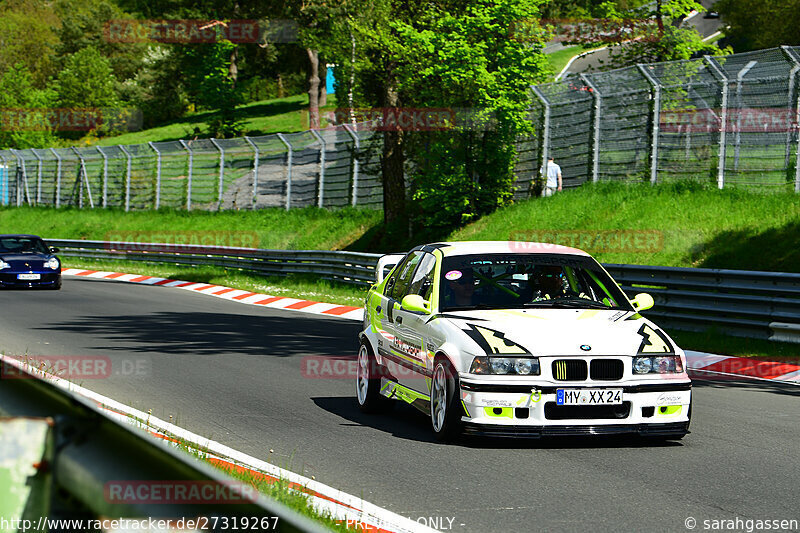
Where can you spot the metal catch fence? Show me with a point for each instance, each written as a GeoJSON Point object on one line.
{"type": "Point", "coordinates": [730, 120]}
{"type": "Point", "coordinates": [323, 168]}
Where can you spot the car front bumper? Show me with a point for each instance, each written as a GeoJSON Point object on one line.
{"type": "Point", "coordinates": [47, 279]}
{"type": "Point", "coordinates": [655, 408]}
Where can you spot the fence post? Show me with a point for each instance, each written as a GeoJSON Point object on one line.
{"type": "Point", "coordinates": [38, 177]}
{"type": "Point", "coordinates": [288, 171]}
{"type": "Point", "coordinates": [545, 134]}
{"type": "Point", "coordinates": [105, 176]}
{"type": "Point", "coordinates": [221, 171]}
{"type": "Point", "coordinates": [58, 177]}
{"type": "Point", "coordinates": [356, 149]}
{"type": "Point", "coordinates": [189, 177]}
{"type": "Point", "coordinates": [127, 178]}
{"type": "Point", "coordinates": [739, 80]}
{"type": "Point", "coordinates": [656, 118]}
{"type": "Point", "coordinates": [596, 144]}
{"type": "Point", "coordinates": [322, 148]}
{"type": "Point", "coordinates": [20, 165]}
{"type": "Point", "coordinates": [723, 120]}
{"type": "Point", "coordinates": [791, 55]}
{"type": "Point", "coordinates": [158, 173]}
{"type": "Point", "coordinates": [255, 170]}
{"type": "Point", "coordinates": [84, 179]}
{"type": "Point", "coordinates": [4, 178]}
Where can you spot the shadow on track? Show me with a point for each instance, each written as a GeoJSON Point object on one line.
{"type": "Point", "coordinates": [406, 422]}
{"type": "Point", "coordinates": [214, 333]}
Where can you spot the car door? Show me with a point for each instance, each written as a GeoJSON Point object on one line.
{"type": "Point", "coordinates": [397, 357]}
{"type": "Point", "coordinates": [410, 326]}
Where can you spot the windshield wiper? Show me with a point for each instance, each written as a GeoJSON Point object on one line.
{"type": "Point", "coordinates": [569, 302]}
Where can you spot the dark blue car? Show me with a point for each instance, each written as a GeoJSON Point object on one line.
{"type": "Point", "coordinates": [26, 261]}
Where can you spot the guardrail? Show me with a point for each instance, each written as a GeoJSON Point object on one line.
{"type": "Point", "coordinates": [65, 456]}
{"type": "Point", "coordinates": [744, 303]}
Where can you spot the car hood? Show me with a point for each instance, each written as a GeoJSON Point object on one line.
{"type": "Point", "coordinates": [561, 332]}
{"type": "Point", "coordinates": [34, 260]}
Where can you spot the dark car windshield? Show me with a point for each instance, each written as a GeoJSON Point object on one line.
{"type": "Point", "coordinates": [22, 245]}
{"type": "Point", "coordinates": [505, 281]}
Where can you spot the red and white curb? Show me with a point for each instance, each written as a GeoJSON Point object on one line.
{"type": "Point", "coordinates": [357, 514]}
{"type": "Point", "coordinates": [227, 293]}
{"type": "Point", "coordinates": [718, 364]}
{"type": "Point", "coordinates": [744, 367]}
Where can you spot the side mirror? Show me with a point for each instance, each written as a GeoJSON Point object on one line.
{"type": "Point", "coordinates": [54, 250]}
{"type": "Point", "coordinates": [415, 302]}
{"type": "Point", "coordinates": [642, 301]}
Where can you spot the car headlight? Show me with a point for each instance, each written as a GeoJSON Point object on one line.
{"type": "Point", "coordinates": [3, 265]}
{"type": "Point", "coordinates": [666, 364]}
{"type": "Point", "coordinates": [52, 263]}
{"type": "Point", "coordinates": [523, 366]}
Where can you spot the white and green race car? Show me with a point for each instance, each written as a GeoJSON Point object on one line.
{"type": "Point", "coordinates": [517, 339]}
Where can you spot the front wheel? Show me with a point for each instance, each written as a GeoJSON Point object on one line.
{"type": "Point", "coordinates": [368, 382]}
{"type": "Point", "coordinates": [445, 414]}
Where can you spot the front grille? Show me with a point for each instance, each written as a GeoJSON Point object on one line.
{"type": "Point", "coordinates": [606, 369]}
{"type": "Point", "coordinates": [569, 370]}
{"type": "Point", "coordinates": [553, 411]}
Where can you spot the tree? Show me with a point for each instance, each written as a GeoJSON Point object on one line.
{"type": "Point", "coordinates": [28, 36]}
{"type": "Point", "coordinates": [757, 24]}
{"type": "Point", "coordinates": [23, 120]}
{"type": "Point", "coordinates": [87, 81]}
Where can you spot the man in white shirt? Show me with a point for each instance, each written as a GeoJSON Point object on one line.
{"type": "Point", "coordinates": [553, 174]}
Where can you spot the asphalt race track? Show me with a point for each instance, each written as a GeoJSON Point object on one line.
{"type": "Point", "coordinates": [232, 372]}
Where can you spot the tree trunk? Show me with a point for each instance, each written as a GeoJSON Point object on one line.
{"type": "Point", "coordinates": [323, 84]}
{"type": "Point", "coordinates": [233, 69]}
{"type": "Point", "coordinates": [281, 93]}
{"type": "Point", "coordinates": [313, 89]}
{"type": "Point", "coordinates": [392, 172]}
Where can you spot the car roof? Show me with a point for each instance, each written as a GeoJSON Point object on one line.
{"type": "Point", "coordinates": [503, 247]}
{"type": "Point", "coordinates": [19, 235]}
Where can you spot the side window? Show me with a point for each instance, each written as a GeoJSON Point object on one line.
{"type": "Point", "coordinates": [422, 283]}
{"type": "Point", "coordinates": [404, 273]}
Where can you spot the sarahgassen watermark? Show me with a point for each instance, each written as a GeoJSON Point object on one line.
{"type": "Point", "coordinates": [741, 524]}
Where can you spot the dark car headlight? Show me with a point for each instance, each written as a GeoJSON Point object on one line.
{"type": "Point", "coordinates": [522, 366]}
{"type": "Point", "coordinates": [664, 364]}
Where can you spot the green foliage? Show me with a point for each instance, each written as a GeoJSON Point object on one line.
{"type": "Point", "coordinates": [213, 86]}
{"type": "Point", "coordinates": [756, 24]}
{"type": "Point", "coordinates": [28, 36]}
{"type": "Point", "coordinates": [25, 122]}
{"type": "Point", "coordinates": [460, 58]}
{"type": "Point", "coordinates": [87, 81]}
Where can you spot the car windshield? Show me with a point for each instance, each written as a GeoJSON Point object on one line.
{"type": "Point", "coordinates": [519, 281]}
{"type": "Point", "coordinates": [22, 245]}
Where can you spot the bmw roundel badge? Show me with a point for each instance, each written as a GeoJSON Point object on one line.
{"type": "Point", "coordinates": [585, 347]}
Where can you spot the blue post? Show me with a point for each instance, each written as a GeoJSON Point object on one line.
{"type": "Point", "coordinates": [3, 185]}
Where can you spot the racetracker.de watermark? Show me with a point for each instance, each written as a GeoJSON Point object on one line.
{"type": "Point", "coordinates": [414, 119]}
{"type": "Point", "coordinates": [70, 119]}
{"type": "Point", "coordinates": [180, 241]}
{"type": "Point", "coordinates": [196, 31]}
{"type": "Point", "coordinates": [76, 367]}
{"type": "Point", "coordinates": [171, 492]}
{"type": "Point", "coordinates": [745, 120]}
{"type": "Point", "coordinates": [591, 241]}
{"type": "Point", "coordinates": [584, 30]}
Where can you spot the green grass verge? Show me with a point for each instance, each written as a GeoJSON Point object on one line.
{"type": "Point", "coordinates": [280, 115]}
{"type": "Point", "coordinates": [685, 224]}
{"type": "Point", "coordinates": [308, 228]}
{"type": "Point", "coordinates": [713, 341]}
{"type": "Point", "coordinates": [296, 286]}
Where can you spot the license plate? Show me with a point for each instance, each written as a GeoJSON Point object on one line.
{"type": "Point", "coordinates": [588, 396]}
{"type": "Point", "coordinates": [28, 277]}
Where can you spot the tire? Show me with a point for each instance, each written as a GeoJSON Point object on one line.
{"type": "Point", "coordinates": [445, 401]}
{"type": "Point", "coordinates": [368, 382]}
